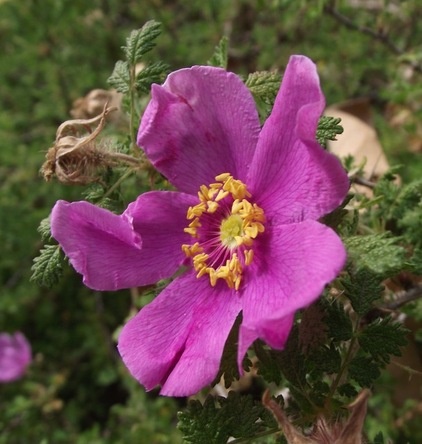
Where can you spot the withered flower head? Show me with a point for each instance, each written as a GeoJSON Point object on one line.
{"type": "Point", "coordinates": [76, 156]}
{"type": "Point", "coordinates": [324, 432]}
{"type": "Point", "coordinates": [94, 102]}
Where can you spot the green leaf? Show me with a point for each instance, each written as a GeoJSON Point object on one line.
{"type": "Point", "coordinates": [326, 360]}
{"type": "Point", "coordinates": [47, 267]}
{"type": "Point", "coordinates": [228, 364]}
{"type": "Point", "coordinates": [203, 423]}
{"type": "Point", "coordinates": [218, 419]}
{"type": "Point", "coordinates": [120, 78]}
{"type": "Point", "coordinates": [364, 370]}
{"type": "Point", "coordinates": [44, 229]}
{"type": "Point", "coordinates": [328, 129]}
{"type": "Point", "coordinates": [268, 363]}
{"type": "Point", "coordinates": [347, 390]}
{"type": "Point", "coordinates": [337, 216]}
{"type": "Point", "coordinates": [264, 85]}
{"type": "Point", "coordinates": [376, 252]}
{"type": "Point", "coordinates": [415, 262]}
{"type": "Point", "coordinates": [220, 56]}
{"type": "Point", "coordinates": [379, 438]}
{"type": "Point", "coordinates": [338, 321]}
{"type": "Point", "coordinates": [362, 287]}
{"type": "Point", "coordinates": [154, 73]}
{"type": "Point", "coordinates": [141, 41]}
{"type": "Point", "coordinates": [381, 339]}
{"type": "Point", "coordinates": [292, 360]}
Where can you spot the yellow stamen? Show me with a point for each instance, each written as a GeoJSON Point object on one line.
{"type": "Point", "coordinates": [248, 256]}
{"type": "Point", "coordinates": [237, 231]}
{"type": "Point", "coordinates": [196, 211]}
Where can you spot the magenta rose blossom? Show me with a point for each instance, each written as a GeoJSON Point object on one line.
{"type": "Point", "coordinates": [243, 222]}
{"type": "Point", "coordinates": [15, 356]}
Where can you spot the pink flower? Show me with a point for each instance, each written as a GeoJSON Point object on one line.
{"type": "Point", "coordinates": [15, 356]}
{"type": "Point", "coordinates": [243, 222]}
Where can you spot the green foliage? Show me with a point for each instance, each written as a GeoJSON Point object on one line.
{"type": "Point", "coordinates": [363, 288]}
{"type": "Point", "coordinates": [220, 56]}
{"type": "Point", "coordinates": [153, 73]}
{"type": "Point", "coordinates": [228, 365]}
{"type": "Point", "coordinates": [328, 129]}
{"type": "Point", "coordinates": [401, 208]}
{"type": "Point", "coordinates": [45, 229]}
{"type": "Point", "coordinates": [338, 321]}
{"type": "Point", "coordinates": [379, 439]}
{"type": "Point", "coordinates": [141, 41]}
{"type": "Point", "coordinates": [264, 86]}
{"type": "Point", "coordinates": [383, 338]}
{"type": "Point", "coordinates": [138, 44]}
{"type": "Point", "coordinates": [220, 418]}
{"type": "Point", "coordinates": [120, 78]}
{"type": "Point", "coordinates": [47, 268]}
{"type": "Point", "coordinates": [379, 253]}
{"type": "Point", "coordinates": [268, 363]}
{"type": "Point", "coordinates": [363, 370]}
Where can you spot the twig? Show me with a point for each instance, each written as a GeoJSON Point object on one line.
{"type": "Point", "coordinates": [359, 180]}
{"type": "Point", "coordinates": [380, 36]}
{"type": "Point", "coordinates": [404, 297]}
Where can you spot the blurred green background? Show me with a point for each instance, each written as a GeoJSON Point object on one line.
{"type": "Point", "coordinates": [55, 51]}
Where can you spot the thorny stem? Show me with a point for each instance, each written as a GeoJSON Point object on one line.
{"type": "Point", "coordinates": [121, 179]}
{"type": "Point", "coordinates": [345, 363]}
{"type": "Point", "coordinates": [404, 297]}
{"type": "Point", "coordinates": [362, 181]}
{"type": "Point", "coordinates": [126, 158]}
{"type": "Point", "coordinates": [407, 369]}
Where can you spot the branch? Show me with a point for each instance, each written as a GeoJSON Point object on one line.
{"type": "Point", "coordinates": [403, 297]}
{"type": "Point", "coordinates": [359, 180]}
{"type": "Point", "coordinates": [380, 36]}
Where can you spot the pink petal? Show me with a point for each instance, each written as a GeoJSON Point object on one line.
{"type": "Point", "coordinates": [202, 122]}
{"type": "Point", "coordinates": [15, 356]}
{"type": "Point", "coordinates": [178, 339]}
{"type": "Point", "coordinates": [294, 178]}
{"type": "Point", "coordinates": [275, 332]}
{"type": "Point", "coordinates": [294, 263]}
{"type": "Point", "coordinates": [138, 248]}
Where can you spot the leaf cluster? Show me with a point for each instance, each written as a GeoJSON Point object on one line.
{"type": "Point", "coordinates": [379, 253]}
{"type": "Point", "coordinates": [47, 267]}
{"type": "Point", "coordinates": [125, 75]}
{"type": "Point", "coordinates": [218, 419]}
{"type": "Point", "coordinates": [400, 208]}
{"type": "Point", "coordinates": [220, 56]}
{"type": "Point", "coordinates": [328, 129]}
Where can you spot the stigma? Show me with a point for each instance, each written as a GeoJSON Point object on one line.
{"type": "Point", "coordinates": [224, 225]}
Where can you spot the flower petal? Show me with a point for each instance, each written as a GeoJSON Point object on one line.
{"type": "Point", "coordinates": [293, 265]}
{"type": "Point", "coordinates": [140, 247]}
{"type": "Point", "coordinates": [15, 356]}
{"type": "Point", "coordinates": [202, 122]}
{"type": "Point", "coordinates": [178, 339]}
{"type": "Point", "coordinates": [276, 333]}
{"type": "Point", "coordinates": [291, 175]}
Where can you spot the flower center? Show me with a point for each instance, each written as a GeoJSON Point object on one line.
{"type": "Point", "coordinates": [230, 229]}
{"type": "Point", "coordinates": [225, 224]}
